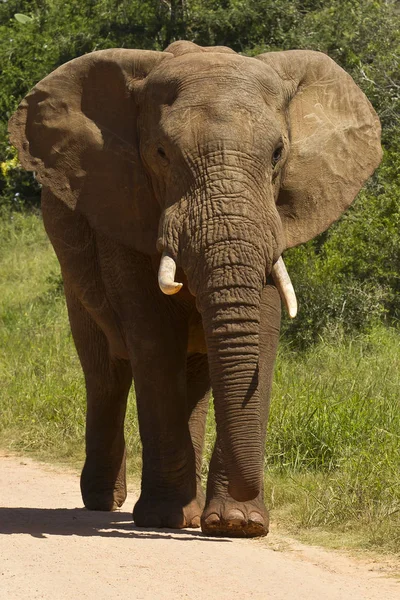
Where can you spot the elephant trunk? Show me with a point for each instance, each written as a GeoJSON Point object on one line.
{"type": "Point", "coordinates": [231, 322]}
{"type": "Point", "coordinates": [227, 277]}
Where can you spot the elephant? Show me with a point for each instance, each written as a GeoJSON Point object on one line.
{"type": "Point", "coordinates": [172, 182]}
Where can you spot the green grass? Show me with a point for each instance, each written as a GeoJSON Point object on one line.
{"type": "Point", "coordinates": [40, 380]}
{"type": "Point", "coordinates": [333, 460]}
{"type": "Point", "coordinates": [334, 439]}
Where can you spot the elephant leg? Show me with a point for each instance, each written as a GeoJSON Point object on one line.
{"type": "Point", "coordinates": [198, 398]}
{"type": "Point", "coordinates": [169, 492]}
{"type": "Point", "coordinates": [108, 379]}
{"type": "Point", "coordinates": [222, 514]}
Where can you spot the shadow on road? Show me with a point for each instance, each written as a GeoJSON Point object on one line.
{"type": "Point", "coordinates": [42, 522]}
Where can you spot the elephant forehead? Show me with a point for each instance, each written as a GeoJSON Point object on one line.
{"type": "Point", "coordinates": [207, 73]}
{"type": "Point", "coordinates": [240, 110]}
{"type": "Point", "coordinates": [219, 125]}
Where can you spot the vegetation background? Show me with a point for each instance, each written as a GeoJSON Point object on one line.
{"type": "Point", "coordinates": [333, 459]}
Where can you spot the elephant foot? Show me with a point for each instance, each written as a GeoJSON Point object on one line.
{"type": "Point", "coordinates": [100, 494]}
{"type": "Point", "coordinates": [158, 513]}
{"type": "Point", "coordinates": [227, 517]}
{"type": "Point", "coordinates": [106, 499]}
{"type": "Point", "coordinates": [102, 501]}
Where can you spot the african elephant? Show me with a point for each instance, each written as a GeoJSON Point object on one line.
{"type": "Point", "coordinates": [211, 163]}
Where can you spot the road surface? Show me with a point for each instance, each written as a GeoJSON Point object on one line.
{"type": "Point", "coordinates": [51, 548]}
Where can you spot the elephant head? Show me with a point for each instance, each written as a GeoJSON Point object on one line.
{"type": "Point", "coordinates": [217, 161]}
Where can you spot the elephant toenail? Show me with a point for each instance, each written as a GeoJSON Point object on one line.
{"type": "Point", "coordinates": [195, 522]}
{"type": "Point", "coordinates": [212, 519]}
{"type": "Point", "coordinates": [236, 517]}
{"type": "Point", "coordinates": [256, 518]}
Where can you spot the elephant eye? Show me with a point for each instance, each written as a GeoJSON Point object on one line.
{"type": "Point", "coordinates": [161, 152]}
{"type": "Point", "coordinates": [276, 155]}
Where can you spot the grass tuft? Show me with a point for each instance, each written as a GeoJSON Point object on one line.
{"type": "Point", "coordinates": [333, 448]}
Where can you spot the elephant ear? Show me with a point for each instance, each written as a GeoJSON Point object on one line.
{"type": "Point", "coordinates": [334, 142]}
{"type": "Point", "coordinates": [77, 130]}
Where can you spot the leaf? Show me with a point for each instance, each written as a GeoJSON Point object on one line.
{"type": "Point", "coordinates": [24, 19]}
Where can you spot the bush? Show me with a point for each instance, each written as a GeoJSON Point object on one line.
{"type": "Point", "coordinates": [348, 278]}
{"type": "Point", "coordinates": [18, 188]}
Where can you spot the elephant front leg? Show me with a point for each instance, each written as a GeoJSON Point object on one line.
{"type": "Point", "coordinates": [223, 515]}
{"type": "Point", "coordinates": [198, 400]}
{"type": "Point", "coordinates": [108, 380]}
{"type": "Point", "coordinates": [170, 495]}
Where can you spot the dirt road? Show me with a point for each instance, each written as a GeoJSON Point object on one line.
{"type": "Point", "coordinates": [51, 548]}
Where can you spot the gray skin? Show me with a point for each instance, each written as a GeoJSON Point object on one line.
{"type": "Point", "coordinates": [223, 161]}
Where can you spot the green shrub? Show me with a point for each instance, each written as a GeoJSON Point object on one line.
{"type": "Point", "coordinates": [18, 188]}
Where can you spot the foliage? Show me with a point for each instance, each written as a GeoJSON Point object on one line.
{"type": "Point", "coordinates": [19, 190]}
{"type": "Point", "coordinates": [348, 278]}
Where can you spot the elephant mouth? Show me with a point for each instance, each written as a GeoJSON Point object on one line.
{"type": "Point", "coordinates": [280, 275]}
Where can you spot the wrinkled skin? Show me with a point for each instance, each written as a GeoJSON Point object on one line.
{"type": "Point", "coordinates": [223, 161]}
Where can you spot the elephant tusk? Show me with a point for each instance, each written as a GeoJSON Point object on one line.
{"type": "Point", "coordinates": [166, 275]}
{"type": "Point", "coordinates": [285, 287]}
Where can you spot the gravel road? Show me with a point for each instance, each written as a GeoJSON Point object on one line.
{"type": "Point", "coordinates": [52, 548]}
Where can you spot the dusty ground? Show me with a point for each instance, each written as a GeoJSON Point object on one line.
{"type": "Point", "coordinates": [51, 548]}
